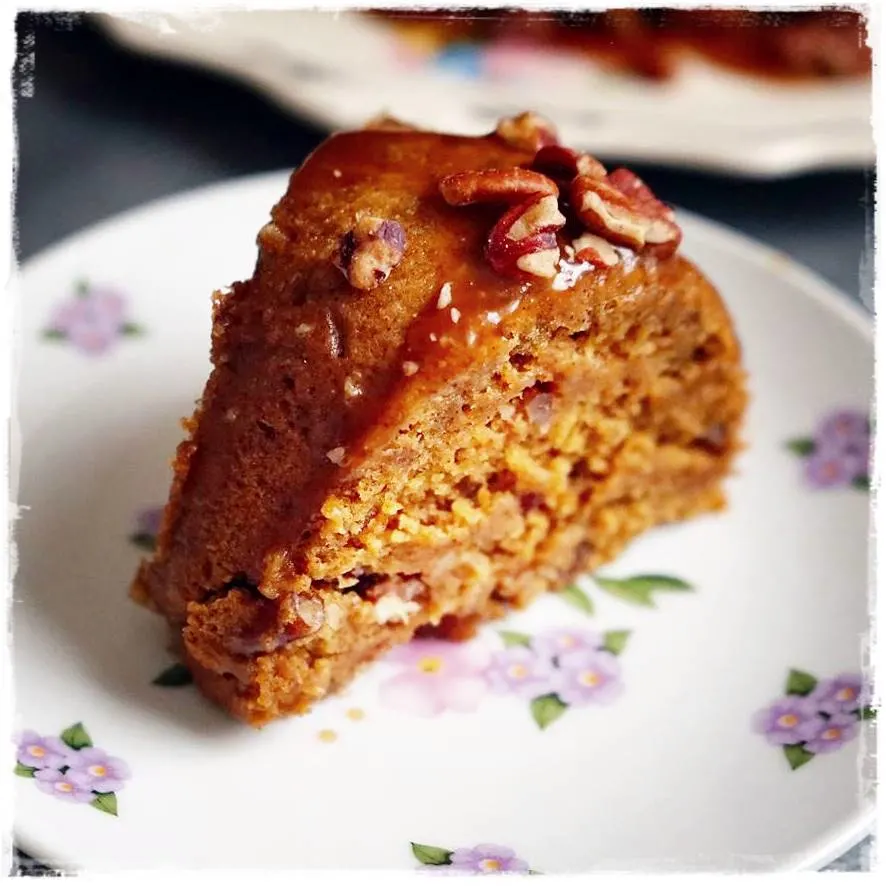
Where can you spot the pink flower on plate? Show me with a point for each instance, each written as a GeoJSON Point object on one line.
{"type": "Point", "coordinates": [437, 676]}
{"type": "Point", "coordinates": [92, 319]}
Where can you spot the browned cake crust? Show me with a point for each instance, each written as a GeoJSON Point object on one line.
{"type": "Point", "coordinates": [366, 463]}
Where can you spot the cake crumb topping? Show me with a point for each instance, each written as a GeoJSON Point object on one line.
{"type": "Point", "coordinates": [410, 367]}
{"type": "Point", "coordinates": [455, 314]}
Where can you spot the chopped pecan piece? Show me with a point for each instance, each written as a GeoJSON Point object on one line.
{"type": "Point", "coordinates": [370, 251]}
{"type": "Point", "coordinates": [607, 211]}
{"type": "Point", "coordinates": [523, 243]}
{"type": "Point", "coordinates": [527, 131]}
{"type": "Point", "coordinates": [595, 250]}
{"type": "Point", "coordinates": [495, 186]}
{"type": "Point", "coordinates": [561, 163]}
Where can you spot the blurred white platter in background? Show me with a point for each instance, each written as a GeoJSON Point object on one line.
{"type": "Point", "coordinates": [339, 69]}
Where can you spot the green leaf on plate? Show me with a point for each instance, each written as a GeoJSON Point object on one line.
{"type": "Point", "coordinates": [868, 713]}
{"type": "Point", "coordinates": [800, 683]}
{"type": "Point", "coordinates": [143, 540]}
{"type": "Point", "coordinates": [547, 708]}
{"type": "Point", "coordinates": [132, 329]}
{"type": "Point", "coordinates": [576, 597]}
{"type": "Point", "coordinates": [802, 446]}
{"type": "Point", "coordinates": [513, 638]}
{"type": "Point", "coordinates": [174, 675]}
{"type": "Point", "coordinates": [54, 334]}
{"type": "Point", "coordinates": [76, 737]}
{"type": "Point", "coordinates": [862, 483]}
{"type": "Point", "coordinates": [431, 854]}
{"type": "Point", "coordinates": [615, 641]}
{"type": "Point", "coordinates": [24, 771]}
{"type": "Point", "coordinates": [797, 755]}
{"type": "Point", "coordinates": [105, 803]}
{"type": "Point", "coordinates": [639, 588]}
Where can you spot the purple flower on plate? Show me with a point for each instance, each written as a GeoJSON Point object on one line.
{"type": "Point", "coordinates": [487, 858]}
{"type": "Point", "coordinates": [842, 695]}
{"type": "Point", "coordinates": [73, 786]}
{"type": "Point", "coordinates": [790, 720]}
{"type": "Point", "coordinates": [521, 671]}
{"type": "Point", "coordinates": [846, 430]}
{"type": "Point", "coordinates": [97, 770]}
{"type": "Point", "coordinates": [564, 640]}
{"type": "Point", "coordinates": [825, 470]}
{"type": "Point", "coordinates": [438, 676]}
{"type": "Point", "coordinates": [147, 521]}
{"type": "Point", "coordinates": [92, 320]}
{"type": "Point", "coordinates": [589, 676]}
{"type": "Point", "coordinates": [832, 733]}
{"type": "Point", "coordinates": [41, 752]}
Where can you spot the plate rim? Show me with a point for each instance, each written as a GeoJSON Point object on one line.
{"type": "Point", "coordinates": [845, 834]}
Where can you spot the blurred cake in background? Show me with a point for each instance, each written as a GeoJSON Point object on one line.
{"type": "Point", "coordinates": [650, 43]}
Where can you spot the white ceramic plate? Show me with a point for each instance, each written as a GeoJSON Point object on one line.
{"type": "Point", "coordinates": [341, 69]}
{"type": "Point", "coordinates": [667, 774]}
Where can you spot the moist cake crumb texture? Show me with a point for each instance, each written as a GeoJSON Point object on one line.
{"type": "Point", "coordinates": [419, 443]}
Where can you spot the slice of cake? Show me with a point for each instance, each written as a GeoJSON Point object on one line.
{"type": "Point", "coordinates": [464, 370]}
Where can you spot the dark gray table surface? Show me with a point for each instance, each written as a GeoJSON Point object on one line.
{"type": "Point", "coordinates": [100, 130]}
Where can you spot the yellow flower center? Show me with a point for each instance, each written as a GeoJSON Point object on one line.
{"type": "Point", "coordinates": [431, 664]}
{"type": "Point", "coordinates": [518, 671]}
{"type": "Point", "coordinates": [831, 734]}
{"type": "Point", "coordinates": [64, 786]}
{"type": "Point", "coordinates": [98, 771]}
{"type": "Point", "coordinates": [846, 694]}
{"type": "Point", "coordinates": [788, 720]}
{"type": "Point", "coordinates": [490, 864]}
{"type": "Point", "coordinates": [36, 751]}
{"type": "Point", "coordinates": [590, 678]}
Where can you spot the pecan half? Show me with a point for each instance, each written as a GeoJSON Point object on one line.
{"type": "Point", "coordinates": [665, 232]}
{"type": "Point", "coordinates": [523, 243]}
{"type": "Point", "coordinates": [527, 131]}
{"type": "Point", "coordinates": [512, 185]}
{"type": "Point", "coordinates": [370, 251]}
{"type": "Point", "coordinates": [606, 211]}
{"type": "Point", "coordinates": [595, 250]}
{"type": "Point", "coordinates": [562, 163]}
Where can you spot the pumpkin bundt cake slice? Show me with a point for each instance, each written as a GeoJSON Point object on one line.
{"type": "Point", "coordinates": [464, 370]}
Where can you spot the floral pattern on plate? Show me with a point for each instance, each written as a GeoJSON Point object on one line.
{"type": "Point", "coordinates": [147, 526]}
{"type": "Point", "coordinates": [508, 59]}
{"type": "Point", "coordinates": [839, 453]}
{"type": "Point", "coordinates": [636, 590]}
{"type": "Point", "coordinates": [815, 716]}
{"type": "Point", "coordinates": [553, 671]}
{"type": "Point", "coordinates": [484, 858]}
{"type": "Point", "coordinates": [71, 768]}
{"type": "Point", "coordinates": [93, 319]}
